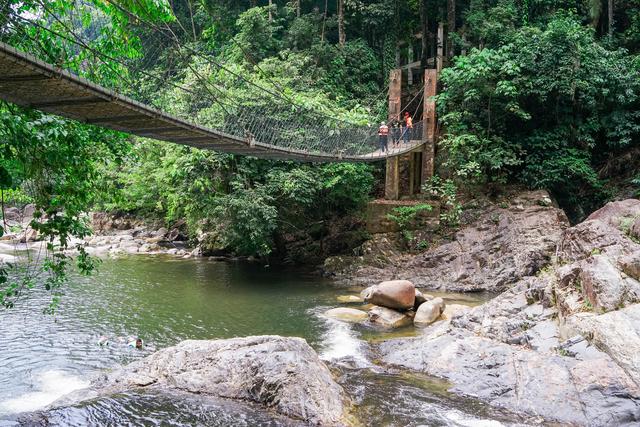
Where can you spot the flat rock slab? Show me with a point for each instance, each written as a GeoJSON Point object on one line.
{"type": "Point", "coordinates": [595, 392]}
{"type": "Point", "coordinates": [280, 373]}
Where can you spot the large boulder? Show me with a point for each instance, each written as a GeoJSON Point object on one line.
{"type": "Point", "coordinates": [429, 312]}
{"type": "Point", "coordinates": [397, 294]}
{"type": "Point", "coordinates": [282, 374]}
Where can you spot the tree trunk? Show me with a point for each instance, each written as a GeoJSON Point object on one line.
{"type": "Point", "coordinates": [324, 20]}
{"type": "Point", "coordinates": [610, 7]}
{"type": "Point", "coordinates": [270, 12]}
{"type": "Point", "coordinates": [451, 27]}
{"type": "Point", "coordinates": [298, 8]}
{"type": "Point", "coordinates": [193, 25]}
{"type": "Point", "coordinates": [424, 24]}
{"type": "Point", "coordinates": [341, 36]}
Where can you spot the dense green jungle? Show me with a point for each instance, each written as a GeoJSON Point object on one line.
{"type": "Point", "coordinates": [541, 93]}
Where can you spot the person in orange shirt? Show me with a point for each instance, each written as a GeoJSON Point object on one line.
{"type": "Point", "coordinates": [408, 127]}
{"type": "Point", "coordinates": [383, 135]}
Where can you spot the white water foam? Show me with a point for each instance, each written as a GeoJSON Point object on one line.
{"type": "Point", "coordinates": [52, 385]}
{"type": "Point", "coordinates": [467, 421]}
{"type": "Point", "coordinates": [340, 343]}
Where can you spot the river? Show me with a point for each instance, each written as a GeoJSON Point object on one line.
{"type": "Point", "coordinates": [165, 300]}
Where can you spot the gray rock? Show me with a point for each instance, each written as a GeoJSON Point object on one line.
{"type": "Point", "coordinates": [453, 310]}
{"type": "Point", "coordinates": [634, 230]}
{"type": "Point", "coordinates": [617, 333]}
{"type": "Point", "coordinates": [429, 312]}
{"type": "Point", "coordinates": [630, 264]}
{"type": "Point", "coordinates": [618, 214]}
{"type": "Point", "coordinates": [388, 318]}
{"type": "Point", "coordinates": [560, 389]}
{"type": "Point", "coordinates": [496, 249]}
{"type": "Point", "coordinates": [28, 211]}
{"type": "Point", "coordinates": [396, 294]}
{"type": "Point", "coordinates": [283, 374]}
{"type": "Point", "coordinates": [604, 286]}
{"type": "Point", "coordinates": [12, 214]}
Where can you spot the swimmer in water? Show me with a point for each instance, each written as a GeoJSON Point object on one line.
{"type": "Point", "coordinates": [137, 343]}
{"type": "Point", "coordinates": [103, 341]}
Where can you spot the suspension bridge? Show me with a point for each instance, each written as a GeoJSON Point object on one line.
{"type": "Point", "coordinates": [268, 125]}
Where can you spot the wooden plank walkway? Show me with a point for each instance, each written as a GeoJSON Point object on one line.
{"type": "Point", "coordinates": [27, 81]}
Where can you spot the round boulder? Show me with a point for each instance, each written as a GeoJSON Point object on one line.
{"type": "Point", "coordinates": [429, 312]}
{"type": "Point", "coordinates": [397, 294]}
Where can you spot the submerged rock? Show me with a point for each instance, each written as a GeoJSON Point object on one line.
{"type": "Point", "coordinates": [350, 298]}
{"type": "Point", "coordinates": [283, 374]}
{"type": "Point", "coordinates": [347, 314]}
{"type": "Point", "coordinates": [396, 294]}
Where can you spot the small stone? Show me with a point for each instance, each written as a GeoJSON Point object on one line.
{"type": "Point", "coordinates": [347, 314]}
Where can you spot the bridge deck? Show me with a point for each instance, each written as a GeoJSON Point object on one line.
{"type": "Point", "coordinates": [30, 82]}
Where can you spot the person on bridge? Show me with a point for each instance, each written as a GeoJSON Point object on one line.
{"type": "Point", "coordinates": [383, 134]}
{"type": "Point", "coordinates": [395, 132]}
{"type": "Point", "coordinates": [408, 127]}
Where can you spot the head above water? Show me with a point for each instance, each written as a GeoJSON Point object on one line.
{"type": "Point", "coordinates": [139, 343]}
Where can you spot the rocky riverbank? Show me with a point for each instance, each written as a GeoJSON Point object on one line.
{"type": "Point", "coordinates": [561, 343]}
{"type": "Point", "coordinates": [112, 235]}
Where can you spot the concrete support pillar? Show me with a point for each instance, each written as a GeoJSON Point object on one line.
{"type": "Point", "coordinates": [429, 128]}
{"type": "Point", "coordinates": [392, 177]}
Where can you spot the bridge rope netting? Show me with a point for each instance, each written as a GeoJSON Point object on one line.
{"type": "Point", "coordinates": [199, 88]}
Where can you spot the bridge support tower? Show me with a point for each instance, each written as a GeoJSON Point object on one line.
{"type": "Point", "coordinates": [406, 173]}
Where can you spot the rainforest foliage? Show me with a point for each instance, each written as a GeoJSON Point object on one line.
{"type": "Point", "coordinates": [538, 92]}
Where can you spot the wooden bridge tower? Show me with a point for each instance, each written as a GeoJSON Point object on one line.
{"type": "Point", "coordinates": [406, 173]}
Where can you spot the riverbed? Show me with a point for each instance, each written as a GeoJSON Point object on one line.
{"type": "Point", "coordinates": [165, 300]}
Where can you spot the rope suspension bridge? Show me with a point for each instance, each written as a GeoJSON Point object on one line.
{"type": "Point", "coordinates": [68, 76]}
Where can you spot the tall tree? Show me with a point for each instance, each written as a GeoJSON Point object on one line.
{"type": "Point", "coordinates": [341, 35]}
{"type": "Point", "coordinates": [451, 26]}
{"type": "Point", "coordinates": [424, 24]}
{"type": "Point", "coordinates": [610, 10]}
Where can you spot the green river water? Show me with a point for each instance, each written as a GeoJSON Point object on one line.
{"type": "Point", "coordinates": [166, 300]}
